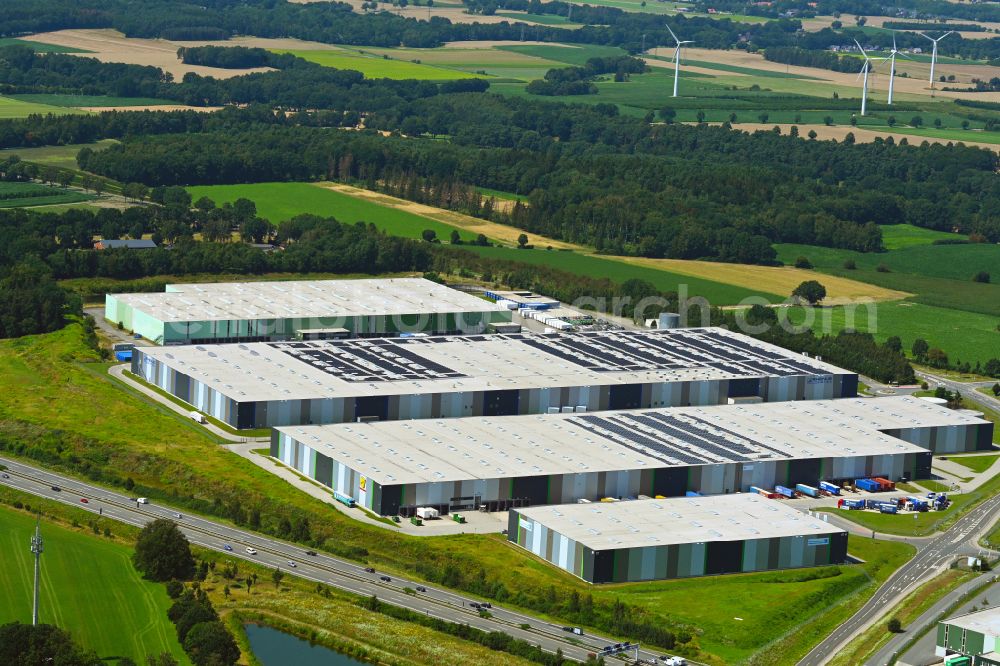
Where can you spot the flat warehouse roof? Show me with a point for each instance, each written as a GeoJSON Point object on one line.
{"type": "Point", "coordinates": [439, 364]}
{"type": "Point", "coordinates": [641, 523]}
{"type": "Point", "coordinates": [461, 449]}
{"type": "Point", "coordinates": [984, 621]}
{"type": "Point", "coordinates": [227, 301]}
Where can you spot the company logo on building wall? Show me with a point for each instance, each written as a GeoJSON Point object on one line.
{"type": "Point", "coordinates": [364, 484]}
{"type": "Point", "coordinates": [819, 379]}
{"type": "Point", "coordinates": [818, 542]}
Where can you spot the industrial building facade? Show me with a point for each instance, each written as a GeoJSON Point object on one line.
{"type": "Point", "coordinates": [675, 538]}
{"type": "Point", "coordinates": [496, 463]}
{"type": "Point", "coordinates": [276, 311]}
{"type": "Point", "coordinates": [275, 384]}
{"type": "Point", "coordinates": [975, 635]}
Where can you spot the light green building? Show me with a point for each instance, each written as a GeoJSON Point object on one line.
{"type": "Point", "coordinates": [276, 311]}
{"type": "Point", "coordinates": [971, 639]}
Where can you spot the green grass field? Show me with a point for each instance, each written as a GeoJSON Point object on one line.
{"type": "Point", "coordinates": [965, 336]}
{"type": "Point", "coordinates": [22, 195]}
{"type": "Point", "coordinates": [89, 588]}
{"type": "Point", "coordinates": [940, 275]}
{"type": "Point", "coordinates": [88, 100]}
{"type": "Point", "coordinates": [583, 264]}
{"type": "Point", "coordinates": [40, 47]}
{"type": "Point", "coordinates": [977, 464]}
{"type": "Point", "coordinates": [282, 201]}
{"type": "Point", "coordinates": [375, 68]}
{"type": "Point", "coordinates": [15, 108]}
{"type": "Point", "coordinates": [61, 156]}
{"type": "Point", "coordinates": [897, 236]}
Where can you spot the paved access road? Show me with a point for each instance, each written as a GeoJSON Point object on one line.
{"type": "Point", "coordinates": [967, 389]}
{"type": "Point", "coordinates": [348, 576]}
{"type": "Point", "coordinates": [932, 554]}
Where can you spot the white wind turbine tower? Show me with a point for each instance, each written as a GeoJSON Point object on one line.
{"type": "Point", "coordinates": [892, 64]}
{"type": "Point", "coordinates": [677, 57]}
{"type": "Point", "coordinates": [934, 52]}
{"type": "Point", "coordinates": [864, 71]}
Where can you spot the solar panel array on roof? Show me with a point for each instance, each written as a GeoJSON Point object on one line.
{"type": "Point", "coordinates": [649, 350]}
{"type": "Point", "coordinates": [367, 360]}
{"type": "Point", "coordinates": [676, 439]}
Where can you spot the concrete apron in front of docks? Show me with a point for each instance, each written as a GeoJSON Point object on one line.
{"type": "Point", "coordinates": [477, 522]}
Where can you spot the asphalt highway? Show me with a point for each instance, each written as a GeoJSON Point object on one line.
{"type": "Point", "coordinates": [293, 560]}
{"type": "Point", "coordinates": [931, 555]}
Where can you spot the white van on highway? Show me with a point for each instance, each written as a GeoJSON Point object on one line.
{"type": "Point", "coordinates": [142, 500]}
{"type": "Point", "coordinates": [251, 551]}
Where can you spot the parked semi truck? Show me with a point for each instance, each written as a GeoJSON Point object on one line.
{"type": "Point", "coordinates": [831, 488]}
{"type": "Point", "coordinates": [784, 492]}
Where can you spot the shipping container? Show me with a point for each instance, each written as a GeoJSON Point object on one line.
{"type": "Point", "coordinates": [868, 484]}
{"type": "Point", "coordinates": [885, 483]}
{"type": "Point", "coordinates": [807, 490]}
{"type": "Point", "coordinates": [784, 492]}
{"type": "Point", "coordinates": [828, 487]}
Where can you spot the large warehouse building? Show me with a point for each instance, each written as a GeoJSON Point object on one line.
{"type": "Point", "coordinates": [974, 635]}
{"type": "Point", "coordinates": [676, 538]}
{"type": "Point", "coordinates": [265, 311]}
{"type": "Point", "coordinates": [272, 384]}
{"type": "Point", "coordinates": [467, 463]}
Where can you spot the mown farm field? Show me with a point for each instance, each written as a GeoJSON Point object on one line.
{"type": "Point", "coordinates": [378, 67]}
{"type": "Point", "coordinates": [15, 108]}
{"type": "Point", "coordinates": [89, 588]}
{"type": "Point", "coordinates": [17, 195]}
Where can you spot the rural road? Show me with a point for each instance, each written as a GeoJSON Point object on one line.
{"type": "Point", "coordinates": [923, 650]}
{"type": "Point", "coordinates": [349, 576]}
{"type": "Point", "coordinates": [931, 555]}
{"type": "Point", "coordinates": [967, 389]}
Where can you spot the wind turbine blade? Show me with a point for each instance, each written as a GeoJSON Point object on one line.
{"type": "Point", "coordinates": [861, 48]}
{"type": "Point", "coordinates": [924, 36]}
{"type": "Point", "coordinates": [672, 34]}
{"type": "Point", "coordinates": [945, 35]}
{"type": "Point", "coordinates": [894, 42]}
{"type": "Point", "coordinates": [677, 50]}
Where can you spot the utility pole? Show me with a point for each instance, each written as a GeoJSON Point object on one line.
{"type": "Point", "coordinates": [36, 548]}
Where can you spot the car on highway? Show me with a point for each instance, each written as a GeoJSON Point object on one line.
{"type": "Point", "coordinates": [385, 579]}
{"type": "Point", "coordinates": [421, 588]}
{"type": "Point", "coordinates": [5, 475]}
{"type": "Point", "coordinates": [369, 569]}
{"type": "Point", "coordinates": [251, 551]}
{"type": "Point", "coordinates": [311, 553]}
{"type": "Point", "coordinates": [57, 489]}
{"type": "Point", "coordinates": [177, 515]}
{"type": "Point", "coordinates": [85, 500]}
{"type": "Point", "coordinates": [227, 547]}
{"type": "Point", "coordinates": [292, 564]}
{"type": "Point", "coordinates": [142, 500]}
{"type": "Point", "coordinates": [486, 604]}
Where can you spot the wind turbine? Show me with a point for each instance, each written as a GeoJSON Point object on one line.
{"type": "Point", "coordinates": [934, 52]}
{"type": "Point", "coordinates": [864, 71]}
{"type": "Point", "coordinates": [892, 64]}
{"type": "Point", "coordinates": [677, 57]}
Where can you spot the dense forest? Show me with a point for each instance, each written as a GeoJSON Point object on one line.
{"type": "Point", "coordinates": [298, 84]}
{"type": "Point", "coordinates": [734, 194]}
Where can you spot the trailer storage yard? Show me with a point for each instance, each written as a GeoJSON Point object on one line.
{"type": "Point", "coordinates": [675, 538]}
{"type": "Point", "coordinates": [498, 463]}
{"type": "Point", "coordinates": [257, 385]}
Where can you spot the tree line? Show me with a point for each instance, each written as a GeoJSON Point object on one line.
{"type": "Point", "coordinates": [579, 80]}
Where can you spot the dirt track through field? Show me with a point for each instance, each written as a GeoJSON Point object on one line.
{"type": "Point", "coordinates": [863, 135]}
{"type": "Point", "coordinates": [500, 232]}
{"type": "Point", "coordinates": [771, 279]}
